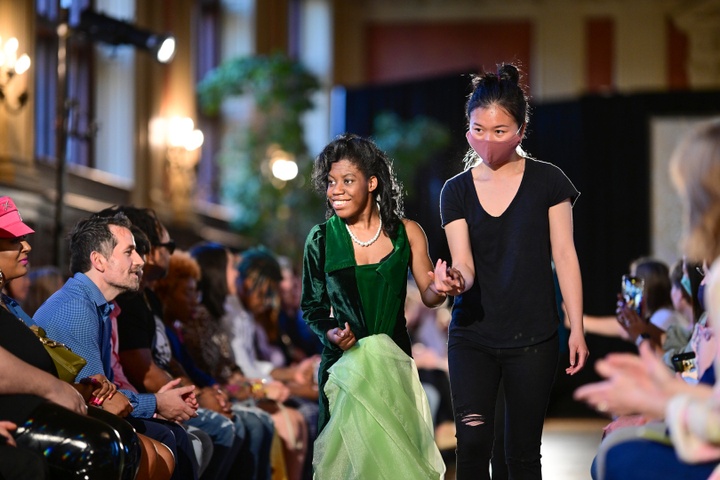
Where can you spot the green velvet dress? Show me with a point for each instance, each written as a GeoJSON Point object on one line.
{"type": "Point", "coordinates": [374, 417]}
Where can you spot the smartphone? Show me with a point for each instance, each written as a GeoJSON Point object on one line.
{"type": "Point", "coordinates": [632, 291]}
{"type": "Point", "coordinates": [683, 362]}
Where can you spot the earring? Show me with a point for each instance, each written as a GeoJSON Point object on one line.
{"type": "Point", "coordinates": [2, 279]}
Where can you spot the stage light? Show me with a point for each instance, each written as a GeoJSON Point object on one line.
{"type": "Point", "coordinates": [117, 32]}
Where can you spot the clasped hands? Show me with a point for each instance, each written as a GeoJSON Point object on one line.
{"type": "Point", "coordinates": [446, 280]}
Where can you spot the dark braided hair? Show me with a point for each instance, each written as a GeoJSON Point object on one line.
{"type": "Point", "coordinates": [372, 162]}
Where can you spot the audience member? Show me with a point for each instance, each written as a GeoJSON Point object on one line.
{"type": "Point", "coordinates": [104, 264]}
{"type": "Point", "coordinates": [208, 341]}
{"type": "Point", "coordinates": [685, 280]}
{"type": "Point", "coordinates": [144, 349]}
{"type": "Point", "coordinates": [657, 313]}
{"type": "Point", "coordinates": [31, 396]}
{"type": "Point", "coordinates": [178, 294]}
{"type": "Point", "coordinates": [644, 384]}
{"type": "Point", "coordinates": [298, 340]}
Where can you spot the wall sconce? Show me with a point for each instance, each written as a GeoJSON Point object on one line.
{"type": "Point", "coordinates": [10, 66]}
{"type": "Point", "coordinates": [116, 32]}
{"type": "Point", "coordinates": [282, 166]}
{"type": "Point", "coordinates": [182, 144]}
{"type": "Point", "coordinates": [182, 134]}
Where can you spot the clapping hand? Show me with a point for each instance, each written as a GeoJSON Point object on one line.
{"type": "Point", "coordinates": [633, 384]}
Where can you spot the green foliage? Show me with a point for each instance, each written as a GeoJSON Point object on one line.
{"type": "Point", "coordinates": [411, 144]}
{"type": "Point", "coordinates": [277, 214]}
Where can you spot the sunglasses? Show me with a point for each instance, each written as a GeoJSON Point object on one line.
{"type": "Point", "coordinates": [169, 245]}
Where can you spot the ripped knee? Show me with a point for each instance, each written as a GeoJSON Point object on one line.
{"type": "Point", "coordinates": [472, 419]}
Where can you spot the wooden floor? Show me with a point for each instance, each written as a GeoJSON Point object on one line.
{"type": "Point", "coordinates": [568, 448]}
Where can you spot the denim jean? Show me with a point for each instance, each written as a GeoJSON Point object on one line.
{"type": "Point", "coordinates": [227, 441]}
{"type": "Point", "coordinates": [527, 375]}
{"type": "Point", "coordinates": [255, 454]}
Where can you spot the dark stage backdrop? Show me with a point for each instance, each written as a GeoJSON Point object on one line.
{"type": "Point", "coordinates": [602, 143]}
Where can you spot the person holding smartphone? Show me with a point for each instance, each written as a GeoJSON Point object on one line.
{"type": "Point", "coordinates": [656, 314]}
{"type": "Point", "coordinates": [507, 217]}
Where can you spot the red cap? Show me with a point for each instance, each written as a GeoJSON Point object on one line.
{"type": "Point", "coordinates": [11, 224]}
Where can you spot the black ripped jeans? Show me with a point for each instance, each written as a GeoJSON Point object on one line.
{"type": "Point", "coordinates": [527, 374]}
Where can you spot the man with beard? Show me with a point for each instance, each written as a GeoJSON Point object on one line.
{"type": "Point", "coordinates": [147, 360]}
{"type": "Point", "coordinates": [105, 264]}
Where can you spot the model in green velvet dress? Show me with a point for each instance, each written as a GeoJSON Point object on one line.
{"type": "Point", "coordinates": [374, 418]}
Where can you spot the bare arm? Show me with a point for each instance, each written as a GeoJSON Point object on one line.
{"type": "Point", "coordinates": [606, 325]}
{"type": "Point", "coordinates": [568, 272]}
{"type": "Point", "coordinates": [141, 370]}
{"type": "Point", "coordinates": [19, 377]}
{"type": "Point", "coordinates": [458, 237]}
{"type": "Point", "coordinates": [420, 264]}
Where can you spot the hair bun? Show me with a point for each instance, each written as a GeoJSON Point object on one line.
{"type": "Point", "coordinates": [509, 72]}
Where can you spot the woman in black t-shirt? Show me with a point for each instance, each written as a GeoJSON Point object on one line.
{"type": "Point", "coordinates": [507, 217]}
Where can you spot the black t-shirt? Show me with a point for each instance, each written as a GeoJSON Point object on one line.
{"type": "Point", "coordinates": [18, 339]}
{"type": "Point", "coordinates": [140, 326]}
{"type": "Point", "coordinates": [512, 302]}
{"type": "Point", "coordinates": [136, 324]}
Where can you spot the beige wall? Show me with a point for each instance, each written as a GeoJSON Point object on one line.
{"type": "Point", "coordinates": [558, 47]}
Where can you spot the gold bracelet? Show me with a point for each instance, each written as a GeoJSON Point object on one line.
{"type": "Point", "coordinates": [259, 387]}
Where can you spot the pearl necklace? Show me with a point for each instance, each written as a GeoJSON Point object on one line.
{"type": "Point", "coordinates": [369, 242]}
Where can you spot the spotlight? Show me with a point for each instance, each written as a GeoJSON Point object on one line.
{"type": "Point", "coordinates": [117, 32]}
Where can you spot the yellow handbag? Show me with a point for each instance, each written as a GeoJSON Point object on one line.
{"type": "Point", "coordinates": [67, 363]}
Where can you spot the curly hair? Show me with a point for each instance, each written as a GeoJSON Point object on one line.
{"type": "Point", "coordinates": [182, 267]}
{"type": "Point", "coordinates": [695, 170]}
{"type": "Point", "coordinates": [372, 162]}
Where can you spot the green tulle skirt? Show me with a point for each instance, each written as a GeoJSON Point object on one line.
{"type": "Point", "coordinates": [380, 423]}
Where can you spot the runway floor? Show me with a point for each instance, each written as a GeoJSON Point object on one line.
{"type": "Point", "coordinates": [568, 448]}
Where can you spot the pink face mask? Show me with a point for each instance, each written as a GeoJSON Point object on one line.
{"type": "Point", "coordinates": [494, 152]}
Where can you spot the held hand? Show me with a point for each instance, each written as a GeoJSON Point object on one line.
{"type": "Point", "coordinates": [343, 338]}
{"type": "Point", "coordinates": [118, 405]}
{"type": "Point", "coordinates": [102, 387]}
{"type": "Point", "coordinates": [579, 352]}
{"type": "Point", "coordinates": [188, 397]}
{"type": "Point", "coordinates": [446, 280]}
{"type": "Point", "coordinates": [5, 429]}
{"type": "Point", "coordinates": [176, 404]}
